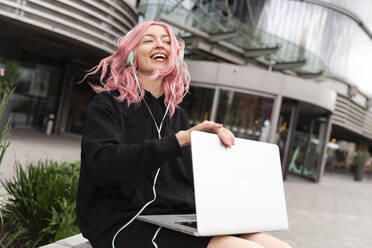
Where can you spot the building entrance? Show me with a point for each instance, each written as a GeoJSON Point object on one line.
{"type": "Point", "coordinates": [302, 137]}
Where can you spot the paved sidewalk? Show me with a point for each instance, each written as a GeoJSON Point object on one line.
{"type": "Point", "coordinates": [31, 145]}
{"type": "Point", "coordinates": [336, 213]}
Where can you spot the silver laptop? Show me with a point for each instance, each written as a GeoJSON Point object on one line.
{"type": "Point", "coordinates": [237, 190]}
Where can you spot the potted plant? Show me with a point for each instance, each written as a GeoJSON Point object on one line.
{"type": "Point", "coordinates": [360, 160]}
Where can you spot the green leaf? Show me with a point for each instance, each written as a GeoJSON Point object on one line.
{"type": "Point", "coordinates": [41, 208]}
{"type": "Point", "coordinates": [11, 75]}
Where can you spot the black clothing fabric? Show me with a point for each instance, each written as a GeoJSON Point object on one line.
{"type": "Point", "coordinates": [140, 234]}
{"type": "Point", "coordinates": [120, 154]}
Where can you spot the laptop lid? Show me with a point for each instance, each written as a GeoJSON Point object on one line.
{"type": "Point", "coordinates": [238, 189]}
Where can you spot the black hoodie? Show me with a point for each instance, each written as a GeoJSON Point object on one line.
{"type": "Point", "coordinates": [120, 154]}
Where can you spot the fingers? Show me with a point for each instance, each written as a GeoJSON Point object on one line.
{"type": "Point", "coordinates": [231, 136]}
{"type": "Point", "coordinates": [227, 137]}
{"type": "Point", "coordinates": [208, 126]}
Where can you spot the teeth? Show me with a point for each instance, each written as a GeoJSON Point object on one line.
{"type": "Point", "coordinates": [159, 55]}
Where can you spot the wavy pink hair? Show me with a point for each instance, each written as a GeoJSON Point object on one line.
{"type": "Point", "coordinates": [121, 77]}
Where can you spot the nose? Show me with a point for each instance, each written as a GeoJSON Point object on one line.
{"type": "Point", "coordinates": [160, 44]}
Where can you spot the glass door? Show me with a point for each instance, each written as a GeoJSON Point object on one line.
{"type": "Point", "coordinates": [304, 140]}
{"type": "Point", "coordinates": [306, 148]}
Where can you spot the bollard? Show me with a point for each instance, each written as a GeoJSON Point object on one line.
{"type": "Point", "coordinates": [50, 123]}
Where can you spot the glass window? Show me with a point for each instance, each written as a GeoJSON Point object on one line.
{"type": "Point", "coordinates": [36, 95]}
{"type": "Point", "coordinates": [340, 154]}
{"type": "Point", "coordinates": [198, 104]}
{"type": "Point", "coordinates": [247, 116]}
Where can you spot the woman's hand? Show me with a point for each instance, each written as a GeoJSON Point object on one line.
{"type": "Point", "coordinates": [226, 136]}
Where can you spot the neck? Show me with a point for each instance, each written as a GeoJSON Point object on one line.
{"type": "Point", "coordinates": [153, 86]}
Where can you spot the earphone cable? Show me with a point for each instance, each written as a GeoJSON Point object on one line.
{"type": "Point", "coordinates": [158, 128]}
{"type": "Point", "coordinates": [139, 212]}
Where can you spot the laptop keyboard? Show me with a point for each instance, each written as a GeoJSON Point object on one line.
{"type": "Point", "coordinates": [188, 223]}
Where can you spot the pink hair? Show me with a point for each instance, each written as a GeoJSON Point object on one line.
{"type": "Point", "coordinates": [121, 77]}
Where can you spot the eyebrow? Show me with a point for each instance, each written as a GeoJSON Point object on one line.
{"type": "Point", "coordinates": [153, 36]}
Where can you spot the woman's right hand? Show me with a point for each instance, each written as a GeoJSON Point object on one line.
{"type": "Point", "coordinates": [226, 136]}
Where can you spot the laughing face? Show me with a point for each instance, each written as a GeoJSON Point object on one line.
{"type": "Point", "coordinates": [153, 49]}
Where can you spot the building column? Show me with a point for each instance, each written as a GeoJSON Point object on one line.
{"type": "Point", "coordinates": [216, 98]}
{"type": "Point", "coordinates": [275, 118]}
{"type": "Point", "coordinates": [323, 153]}
{"type": "Point", "coordinates": [64, 103]}
{"type": "Point", "coordinates": [62, 99]}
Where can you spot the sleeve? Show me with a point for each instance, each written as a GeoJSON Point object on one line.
{"type": "Point", "coordinates": [185, 121]}
{"type": "Point", "coordinates": [106, 158]}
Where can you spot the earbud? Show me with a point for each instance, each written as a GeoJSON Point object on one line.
{"type": "Point", "coordinates": [130, 59]}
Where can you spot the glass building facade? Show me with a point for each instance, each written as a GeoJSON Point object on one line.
{"type": "Point", "coordinates": [288, 72]}
{"type": "Point", "coordinates": [56, 43]}
{"type": "Point", "coordinates": [304, 39]}
{"type": "Point", "coordinates": [36, 95]}
{"type": "Point", "coordinates": [198, 104]}
{"type": "Point", "coordinates": [329, 32]}
{"type": "Point", "coordinates": [246, 115]}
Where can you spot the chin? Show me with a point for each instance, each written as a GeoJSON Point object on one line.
{"type": "Point", "coordinates": [159, 67]}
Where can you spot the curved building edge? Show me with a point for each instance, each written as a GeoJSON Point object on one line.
{"type": "Point", "coordinates": [95, 24]}
{"type": "Point", "coordinates": [262, 81]}
{"type": "Point", "coordinates": [350, 108]}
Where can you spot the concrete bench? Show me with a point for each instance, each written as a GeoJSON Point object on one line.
{"type": "Point", "coordinates": [76, 241]}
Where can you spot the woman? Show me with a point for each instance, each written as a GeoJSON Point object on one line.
{"type": "Point", "coordinates": [133, 128]}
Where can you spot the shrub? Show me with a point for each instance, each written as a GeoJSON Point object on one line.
{"type": "Point", "coordinates": [7, 86]}
{"type": "Point", "coordinates": [41, 208]}
{"type": "Point", "coordinates": [4, 132]}
{"type": "Point", "coordinates": [8, 80]}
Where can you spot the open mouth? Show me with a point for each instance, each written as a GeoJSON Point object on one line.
{"type": "Point", "coordinates": [160, 57]}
